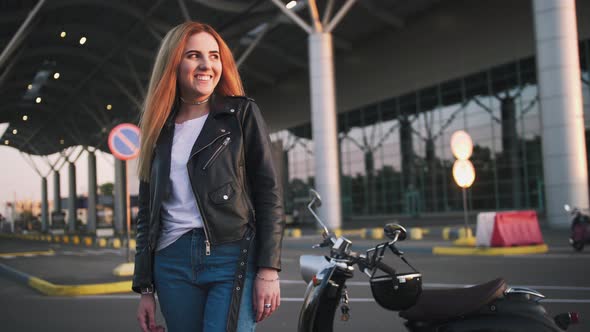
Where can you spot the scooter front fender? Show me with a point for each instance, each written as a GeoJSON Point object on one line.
{"type": "Point", "coordinates": [321, 301]}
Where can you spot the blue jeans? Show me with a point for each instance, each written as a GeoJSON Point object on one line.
{"type": "Point", "coordinates": [194, 290]}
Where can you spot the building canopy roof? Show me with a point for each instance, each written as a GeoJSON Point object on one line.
{"type": "Point", "coordinates": [102, 81]}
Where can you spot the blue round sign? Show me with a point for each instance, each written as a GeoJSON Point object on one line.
{"type": "Point", "coordinates": [124, 141]}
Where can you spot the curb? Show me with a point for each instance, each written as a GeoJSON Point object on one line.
{"type": "Point", "coordinates": [49, 289]}
{"type": "Point", "coordinates": [376, 233]}
{"type": "Point", "coordinates": [293, 232]}
{"type": "Point", "coordinates": [454, 233]}
{"type": "Point", "coordinates": [467, 251]}
{"type": "Point", "coordinates": [414, 233]}
{"type": "Point", "coordinates": [75, 240]}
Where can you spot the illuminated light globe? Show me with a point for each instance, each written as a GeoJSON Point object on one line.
{"type": "Point", "coordinates": [461, 145]}
{"type": "Point", "coordinates": [463, 173]}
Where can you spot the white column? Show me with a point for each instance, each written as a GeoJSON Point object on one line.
{"type": "Point", "coordinates": [562, 117]}
{"type": "Point", "coordinates": [324, 127]}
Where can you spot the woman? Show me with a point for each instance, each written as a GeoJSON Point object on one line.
{"type": "Point", "coordinates": [209, 227]}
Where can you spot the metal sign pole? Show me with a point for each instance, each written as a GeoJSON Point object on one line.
{"type": "Point", "coordinates": [465, 211]}
{"type": "Point", "coordinates": [128, 213]}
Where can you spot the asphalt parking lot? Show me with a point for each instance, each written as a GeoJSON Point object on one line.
{"type": "Point", "coordinates": [561, 275]}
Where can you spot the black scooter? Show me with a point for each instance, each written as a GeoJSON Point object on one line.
{"type": "Point", "coordinates": [489, 307]}
{"type": "Point", "coordinates": [580, 228]}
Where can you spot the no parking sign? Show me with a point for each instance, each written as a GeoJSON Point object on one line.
{"type": "Point", "coordinates": [124, 145]}
{"type": "Point", "coordinates": [124, 141]}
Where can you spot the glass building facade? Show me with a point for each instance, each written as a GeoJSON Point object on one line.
{"type": "Point", "coordinates": [395, 155]}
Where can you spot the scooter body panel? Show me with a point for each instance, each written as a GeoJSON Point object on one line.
{"type": "Point", "coordinates": [513, 313]}
{"type": "Point", "coordinates": [320, 302]}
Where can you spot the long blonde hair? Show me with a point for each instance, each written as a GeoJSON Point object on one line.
{"type": "Point", "coordinates": [162, 89]}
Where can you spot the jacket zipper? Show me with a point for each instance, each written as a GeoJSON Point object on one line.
{"type": "Point", "coordinates": [206, 146]}
{"type": "Point", "coordinates": [217, 152]}
{"type": "Point", "coordinates": [207, 242]}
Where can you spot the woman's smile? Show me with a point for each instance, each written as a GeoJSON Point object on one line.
{"type": "Point", "coordinates": [200, 68]}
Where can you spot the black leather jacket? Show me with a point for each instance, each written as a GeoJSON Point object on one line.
{"type": "Point", "coordinates": [234, 181]}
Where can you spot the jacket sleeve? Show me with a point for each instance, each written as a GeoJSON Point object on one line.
{"type": "Point", "coordinates": [265, 188]}
{"type": "Point", "coordinates": [142, 276]}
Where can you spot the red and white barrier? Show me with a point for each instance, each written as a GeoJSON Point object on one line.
{"type": "Point", "coordinates": [485, 229]}
{"type": "Point", "coordinates": [506, 229]}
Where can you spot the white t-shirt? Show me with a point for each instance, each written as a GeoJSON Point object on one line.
{"type": "Point", "coordinates": [180, 212]}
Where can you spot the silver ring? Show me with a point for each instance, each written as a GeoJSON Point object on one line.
{"type": "Point", "coordinates": [267, 305]}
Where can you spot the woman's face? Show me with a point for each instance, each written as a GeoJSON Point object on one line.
{"type": "Point", "coordinates": [200, 67]}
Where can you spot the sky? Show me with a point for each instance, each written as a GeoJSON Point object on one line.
{"type": "Point", "coordinates": [18, 179]}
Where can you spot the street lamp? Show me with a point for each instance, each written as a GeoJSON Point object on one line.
{"type": "Point", "coordinates": [463, 171]}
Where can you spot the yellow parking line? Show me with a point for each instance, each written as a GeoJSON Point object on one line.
{"type": "Point", "coordinates": [28, 253]}
{"type": "Point", "coordinates": [465, 251]}
{"type": "Point", "coordinates": [50, 289]}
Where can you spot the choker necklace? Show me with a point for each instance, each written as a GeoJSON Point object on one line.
{"type": "Point", "coordinates": [194, 103]}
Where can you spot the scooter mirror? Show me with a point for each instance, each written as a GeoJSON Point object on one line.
{"type": "Point", "coordinates": [567, 208]}
{"type": "Point", "coordinates": [317, 201]}
{"type": "Point", "coordinates": [315, 197]}
{"type": "Point", "coordinates": [391, 230]}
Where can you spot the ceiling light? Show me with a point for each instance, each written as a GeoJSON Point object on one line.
{"type": "Point", "coordinates": [62, 34]}
{"type": "Point", "coordinates": [29, 87]}
{"type": "Point", "coordinates": [82, 40]}
{"type": "Point", "coordinates": [25, 117]}
{"type": "Point", "coordinates": [6, 142]}
{"type": "Point", "coordinates": [38, 100]}
{"type": "Point", "coordinates": [14, 131]}
{"type": "Point", "coordinates": [56, 75]}
{"type": "Point", "coordinates": [109, 107]}
{"type": "Point", "coordinates": [291, 4]}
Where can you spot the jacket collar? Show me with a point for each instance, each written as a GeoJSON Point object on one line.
{"type": "Point", "coordinates": [212, 129]}
{"type": "Point", "coordinates": [220, 105]}
{"type": "Point", "coordinates": [214, 126]}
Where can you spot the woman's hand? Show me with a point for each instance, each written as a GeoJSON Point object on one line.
{"type": "Point", "coordinates": [266, 291]}
{"type": "Point", "coordinates": [146, 314]}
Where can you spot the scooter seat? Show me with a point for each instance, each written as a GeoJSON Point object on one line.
{"type": "Point", "coordinates": [444, 304]}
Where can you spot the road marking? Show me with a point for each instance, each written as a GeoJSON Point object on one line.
{"type": "Point", "coordinates": [442, 285]}
{"type": "Point", "coordinates": [26, 254]}
{"type": "Point", "coordinates": [135, 297]}
{"type": "Point", "coordinates": [536, 287]}
{"type": "Point", "coordinates": [545, 256]}
{"type": "Point", "coordinates": [366, 299]}
{"type": "Point", "coordinates": [86, 252]}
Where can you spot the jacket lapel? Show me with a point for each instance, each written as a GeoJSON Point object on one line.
{"type": "Point", "coordinates": [213, 127]}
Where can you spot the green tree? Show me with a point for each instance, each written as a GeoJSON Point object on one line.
{"type": "Point", "coordinates": [106, 188]}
